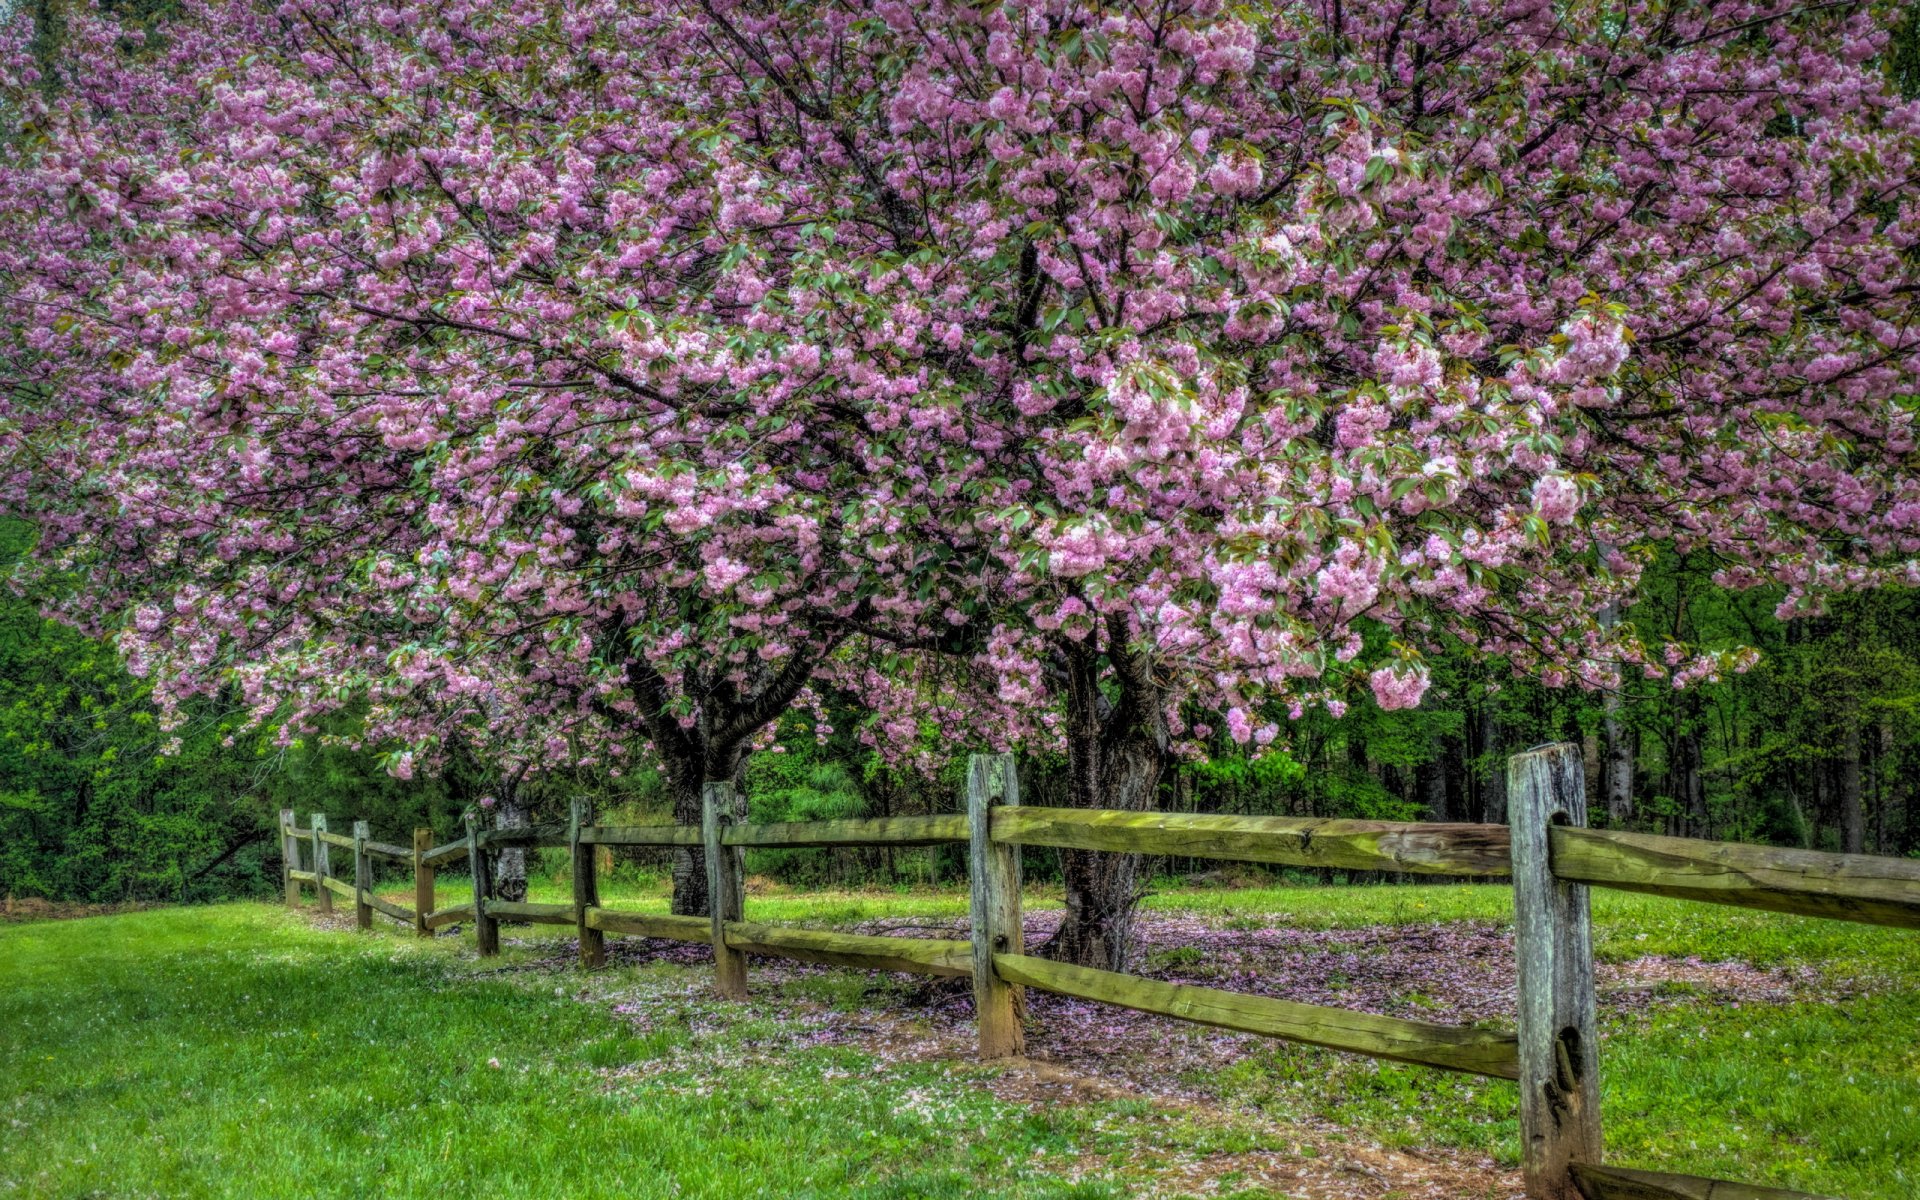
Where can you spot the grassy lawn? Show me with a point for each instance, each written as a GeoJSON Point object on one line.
{"type": "Point", "coordinates": [238, 1050]}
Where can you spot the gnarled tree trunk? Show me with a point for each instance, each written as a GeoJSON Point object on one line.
{"type": "Point", "coordinates": [714, 748]}
{"type": "Point", "coordinates": [509, 862]}
{"type": "Point", "coordinates": [1116, 754]}
{"type": "Point", "coordinates": [688, 773]}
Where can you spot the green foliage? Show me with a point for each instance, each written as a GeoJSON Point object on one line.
{"type": "Point", "coordinates": [99, 804]}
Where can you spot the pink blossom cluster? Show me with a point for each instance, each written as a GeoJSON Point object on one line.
{"type": "Point", "coordinates": [597, 377]}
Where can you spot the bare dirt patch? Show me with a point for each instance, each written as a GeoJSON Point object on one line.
{"type": "Point", "coordinates": [21, 909]}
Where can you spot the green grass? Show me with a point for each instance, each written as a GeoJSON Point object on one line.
{"type": "Point", "coordinates": [238, 1051]}
{"type": "Point", "coordinates": [234, 1051]}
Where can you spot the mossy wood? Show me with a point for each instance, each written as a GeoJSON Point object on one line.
{"type": "Point", "coordinates": [640, 835]}
{"type": "Point", "coordinates": [1474, 1051]}
{"type": "Point", "coordinates": [322, 864]}
{"type": "Point", "coordinates": [1421, 848]}
{"type": "Point", "coordinates": [923, 956]}
{"type": "Point", "coordinates": [519, 836]}
{"type": "Point", "coordinates": [486, 930]}
{"type": "Point", "coordinates": [396, 911]}
{"type": "Point", "coordinates": [440, 856]}
{"type": "Point", "coordinates": [338, 887]}
{"type": "Point", "coordinates": [1848, 887]}
{"type": "Point", "coordinates": [447, 916]}
{"type": "Point", "coordinates": [422, 881]}
{"type": "Point", "coordinates": [586, 887]}
{"type": "Point", "coordinates": [362, 877]}
{"type": "Point", "coordinates": [1620, 1183]}
{"type": "Point", "coordinates": [652, 925]}
{"type": "Point", "coordinates": [726, 885]}
{"type": "Point", "coordinates": [389, 850]}
{"type": "Point", "coordinates": [1553, 961]}
{"type": "Point", "coordinates": [289, 858]}
{"type": "Point", "coordinates": [993, 905]}
{"type": "Point", "coordinates": [336, 839]}
{"type": "Point", "coordinates": [301, 876]}
{"type": "Point", "coordinates": [534, 914]}
{"type": "Point", "coordinates": [871, 831]}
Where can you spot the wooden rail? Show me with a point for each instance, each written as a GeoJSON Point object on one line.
{"type": "Point", "coordinates": [535, 914]}
{"type": "Point", "coordinates": [870, 831]}
{"type": "Point", "coordinates": [651, 925]}
{"type": "Point", "coordinates": [1618, 1183]}
{"type": "Point", "coordinates": [1549, 855]}
{"type": "Point", "coordinates": [396, 911]}
{"type": "Point", "coordinates": [439, 856]}
{"type": "Point", "coordinates": [640, 835]}
{"type": "Point", "coordinates": [1843, 887]}
{"type": "Point", "coordinates": [1474, 1051]}
{"type": "Point", "coordinates": [924, 956]}
{"type": "Point", "coordinates": [1431, 849]}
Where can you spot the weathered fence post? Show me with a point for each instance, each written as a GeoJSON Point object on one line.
{"type": "Point", "coordinates": [586, 888]}
{"type": "Point", "coordinates": [362, 876]}
{"type": "Point", "coordinates": [726, 887]}
{"type": "Point", "coordinates": [422, 882]}
{"type": "Point", "coordinates": [289, 858]}
{"type": "Point", "coordinates": [486, 930]}
{"type": "Point", "coordinates": [322, 864]}
{"type": "Point", "coordinates": [1553, 941]}
{"type": "Point", "coordinates": [994, 875]}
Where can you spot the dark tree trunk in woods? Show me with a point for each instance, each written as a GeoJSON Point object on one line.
{"type": "Point", "coordinates": [1432, 776]}
{"type": "Point", "coordinates": [1616, 787]}
{"type": "Point", "coordinates": [1853, 830]}
{"type": "Point", "coordinates": [1493, 785]}
{"type": "Point", "coordinates": [1116, 754]}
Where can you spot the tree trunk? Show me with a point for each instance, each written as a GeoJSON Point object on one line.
{"type": "Point", "coordinates": [1433, 783]}
{"type": "Point", "coordinates": [1493, 785]}
{"type": "Point", "coordinates": [509, 863]}
{"type": "Point", "coordinates": [1617, 776]}
{"type": "Point", "coordinates": [1853, 838]}
{"type": "Point", "coordinates": [1116, 754]}
{"type": "Point", "coordinates": [687, 778]}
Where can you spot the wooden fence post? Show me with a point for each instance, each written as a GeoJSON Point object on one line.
{"type": "Point", "coordinates": [994, 875]}
{"type": "Point", "coordinates": [362, 876]}
{"type": "Point", "coordinates": [289, 858]}
{"type": "Point", "coordinates": [726, 887]}
{"type": "Point", "coordinates": [586, 888]}
{"type": "Point", "coordinates": [486, 930]}
{"type": "Point", "coordinates": [322, 866]}
{"type": "Point", "coordinates": [422, 882]}
{"type": "Point", "coordinates": [1553, 942]}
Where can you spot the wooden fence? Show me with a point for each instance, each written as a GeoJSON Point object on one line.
{"type": "Point", "coordinates": [1550, 855]}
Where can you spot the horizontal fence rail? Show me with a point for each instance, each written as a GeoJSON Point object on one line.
{"type": "Point", "coordinates": [640, 835]}
{"type": "Point", "coordinates": [868, 831]}
{"type": "Point", "coordinates": [1618, 1183]}
{"type": "Point", "coordinates": [1810, 883]}
{"type": "Point", "coordinates": [1548, 854]}
{"type": "Point", "coordinates": [1475, 1051]}
{"type": "Point", "coordinates": [1432, 849]}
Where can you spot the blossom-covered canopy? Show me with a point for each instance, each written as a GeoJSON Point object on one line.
{"type": "Point", "coordinates": [570, 365]}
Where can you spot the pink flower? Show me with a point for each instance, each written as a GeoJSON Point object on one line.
{"type": "Point", "coordinates": [1556, 498]}
{"type": "Point", "coordinates": [1399, 686]}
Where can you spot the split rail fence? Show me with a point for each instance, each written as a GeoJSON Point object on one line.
{"type": "Point", "coordinates": [1548, 852]}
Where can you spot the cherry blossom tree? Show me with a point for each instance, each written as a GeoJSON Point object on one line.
{"type": "Point", "coordinates": [1273, 327]}
{"type": "Point", "coordinates": [612, 373]}
{"type": "Point", "coordinates": [353, 378]}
